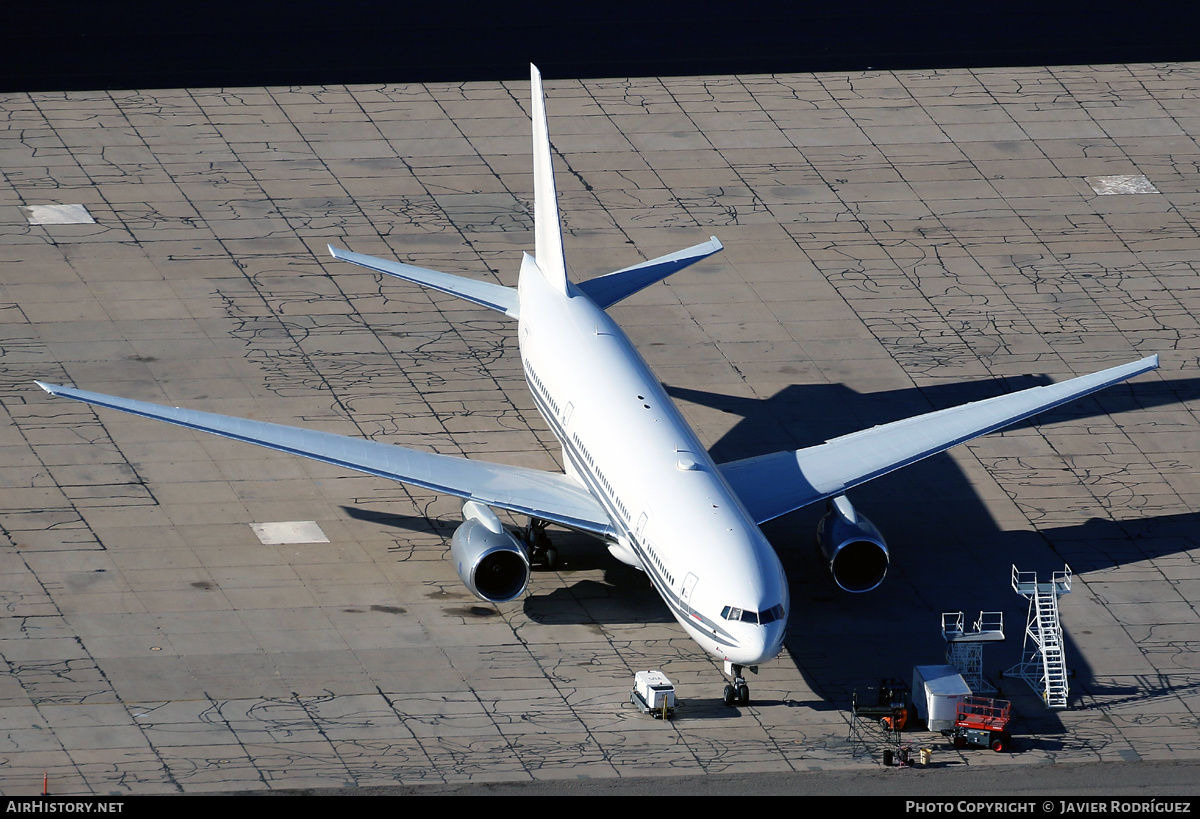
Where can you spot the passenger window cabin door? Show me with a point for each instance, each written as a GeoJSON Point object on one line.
{"type": "Point", "coordinates": [689, 583]}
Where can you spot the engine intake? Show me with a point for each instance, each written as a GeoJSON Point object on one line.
{"type": "Point", "coordinates": [855, 554]}
{"type": "Point", "coordinates": [491, 562]}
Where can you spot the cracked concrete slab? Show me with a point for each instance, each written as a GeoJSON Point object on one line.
{"type": "Point", "coordinates": [894, 241]}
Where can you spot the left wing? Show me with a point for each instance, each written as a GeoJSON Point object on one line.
{"type": "Point", "coordinates": [544, 495]}
{"type": "Point", "coordinates": [773, 485]}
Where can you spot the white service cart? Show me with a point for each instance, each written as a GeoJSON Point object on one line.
{"type": "Point", "coordinates": [654, 694]}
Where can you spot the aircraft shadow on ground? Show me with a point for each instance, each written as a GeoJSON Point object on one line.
{"type": "Point", "coordinates": [411, 523]}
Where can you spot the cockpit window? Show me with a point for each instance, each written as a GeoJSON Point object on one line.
{"type": "Point", "coordinates": [761, 617]}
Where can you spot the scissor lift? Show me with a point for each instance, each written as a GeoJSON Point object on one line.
{"type": "Point", "coordinates": [982, 721]}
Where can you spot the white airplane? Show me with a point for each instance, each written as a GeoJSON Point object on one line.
{"type": "Point", "coordinates": [636, 475]}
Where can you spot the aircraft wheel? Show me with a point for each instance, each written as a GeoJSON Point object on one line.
{"type": "Point", "coordinates": [743, 694]}
{"type": "Point", "coordinates": [551, 557]}
{"type": "Point", "coordinates": [730, 695]}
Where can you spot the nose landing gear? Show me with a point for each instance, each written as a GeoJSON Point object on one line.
{"type": "Point", "coordinates": [738, 693]}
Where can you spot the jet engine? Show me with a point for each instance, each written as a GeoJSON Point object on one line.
{"type": "Point", "coordinates": [852, 547]}
{"type": "Point", "coordinates": [491, 562]}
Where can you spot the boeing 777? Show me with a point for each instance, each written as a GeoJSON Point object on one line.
{"type": "Point", "coordinates": [635, 474]}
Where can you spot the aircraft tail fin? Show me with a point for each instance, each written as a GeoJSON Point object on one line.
{"type": "Point", "coordinates": [548, 247]}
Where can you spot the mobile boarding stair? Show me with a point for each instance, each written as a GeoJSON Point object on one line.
{"type": "Point", "coordinates": [1043, 665]}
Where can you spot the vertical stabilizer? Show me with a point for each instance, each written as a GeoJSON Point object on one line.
{"type": "Point", "coordinates": [548, 248]}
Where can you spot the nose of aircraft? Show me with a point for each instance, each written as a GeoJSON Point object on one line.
{"type": "Point", "coordinates": [772, 639]}
{"type": "Point", "coordinates": [759, 644]}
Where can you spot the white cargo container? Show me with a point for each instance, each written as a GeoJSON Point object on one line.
{"type": "Point", "coordinates": [653, 693]}
{"type": "Point", "coordinates": [936, 691]}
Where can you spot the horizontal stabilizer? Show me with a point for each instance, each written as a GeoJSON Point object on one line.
{"type": "Point", "coordinates": [496, 296]}
{"type": "Point", "coordinates": [607, 290]}
{"type": "Point", "coordinates": [773, 485]}
{"type": "Point", "coordinates": [544, 495]}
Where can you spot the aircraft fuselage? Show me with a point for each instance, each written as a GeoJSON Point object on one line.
{"type": "Point", "coordinates": [626, 441]}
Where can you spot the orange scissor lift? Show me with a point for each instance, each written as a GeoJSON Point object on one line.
{"type": "Point", "coordinates": [982, 721]}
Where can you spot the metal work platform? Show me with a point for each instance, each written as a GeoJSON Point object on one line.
{"type": "Point", "coordinates": [878, 713]}
{"type": "Point", "coordinates": [964, 649]}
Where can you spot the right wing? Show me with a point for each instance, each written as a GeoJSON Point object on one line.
{"type": "Point", "coordinates": [545, 495]}
{"type": "Point", "coordinates": [775, 484]}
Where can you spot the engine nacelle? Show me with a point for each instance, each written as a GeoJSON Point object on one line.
{"type": "Point", "coordinates": [491, 562]}
{"type": "Point", "coordinates": [852, 547]}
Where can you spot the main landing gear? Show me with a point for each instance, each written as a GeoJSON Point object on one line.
{"type": "Point", "coordinates": [738, 693]}
{"type": "Point", "coordinates": [541, 550]}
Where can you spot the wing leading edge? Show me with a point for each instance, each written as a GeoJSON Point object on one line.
{"type": "Point", "coordinates": [773, 485]}
{"type": "Point", "coordinates": [544, 495]}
